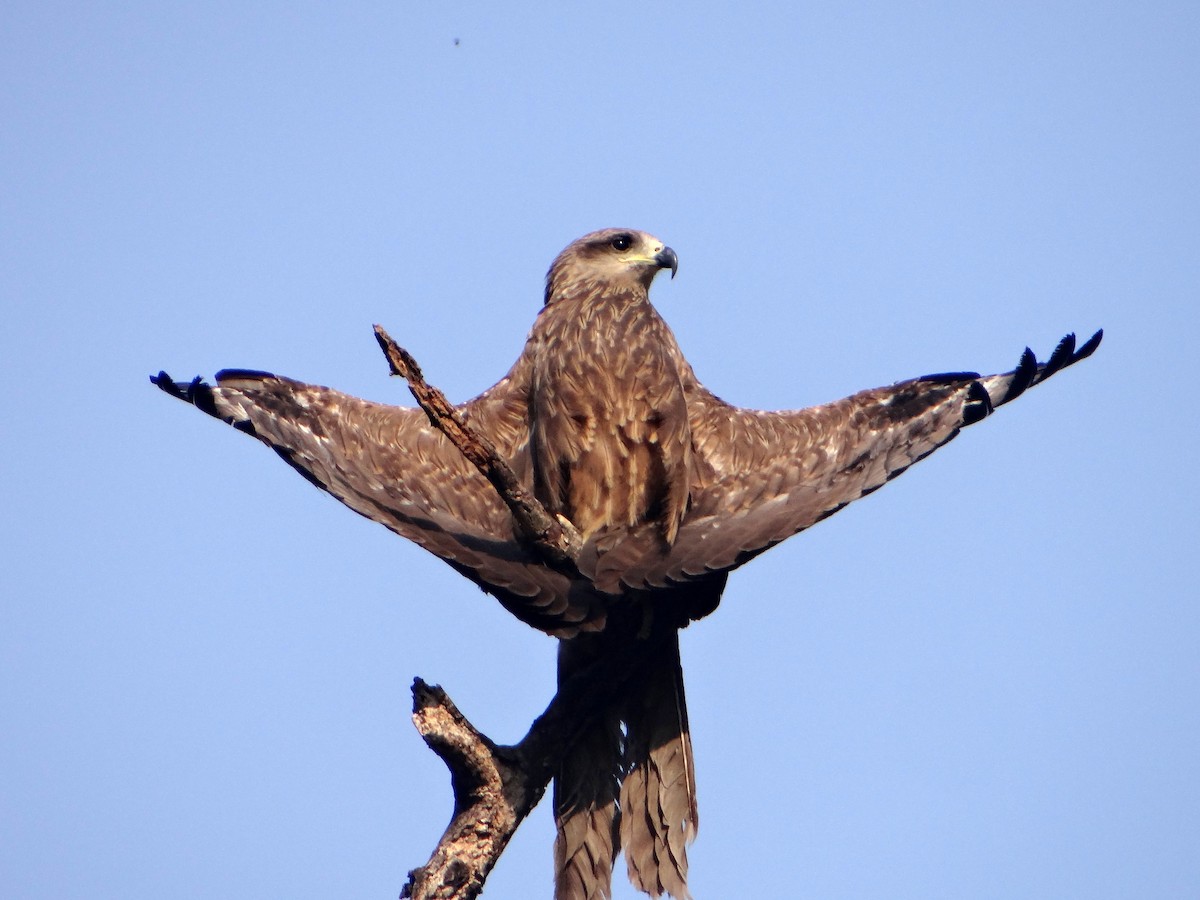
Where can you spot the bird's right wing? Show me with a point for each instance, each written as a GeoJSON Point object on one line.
{"type": "Point", "coordinates": [391, 465]}
{"type": "Point", "coordinates": [764, 476]}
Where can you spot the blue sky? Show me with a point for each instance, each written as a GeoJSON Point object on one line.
{"type": "Point", "coordinates": [982, 681]}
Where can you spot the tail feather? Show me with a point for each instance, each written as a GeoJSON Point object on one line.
{"type": "Point", "coordinates": [585, 795]}
{"type": "Point", "coordinates": [584, 851]}
{"type": "Point", "coordinates": [648, 766]}
{"type": "Point", "coordinates": [659, 816]}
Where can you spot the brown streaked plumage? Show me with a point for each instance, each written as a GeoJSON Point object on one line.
{"type": "Point", "coordinates": [670, 487]}
{"type": "Point", "coordinates": [609, 430]}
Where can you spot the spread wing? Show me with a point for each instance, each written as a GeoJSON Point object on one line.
{"type": "Point", "coordinates": [764, 476]}
{"type": "Point", "coordinates": [389, 464]}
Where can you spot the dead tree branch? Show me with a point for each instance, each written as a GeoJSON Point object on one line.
{"type": "Point", "coordinates": [491, 798]}
{"type": "Point", "coordinates": [556, 538]}
{"type": "Point", "coordinates": [495, 787]}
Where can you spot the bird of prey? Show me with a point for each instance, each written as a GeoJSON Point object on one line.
{"type": "Point", "coordinates": [669, 487]}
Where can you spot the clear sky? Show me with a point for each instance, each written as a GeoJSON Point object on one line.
{"type": "Point", "coordinates": [983, 681]}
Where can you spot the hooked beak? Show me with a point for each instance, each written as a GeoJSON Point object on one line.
{"type": "Point", "coordinates": [666, 259]}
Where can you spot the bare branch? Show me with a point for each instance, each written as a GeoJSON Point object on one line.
{"type": "Point", "coordinates": [491, 798]}
{"type": "Point", "coordinates": [495, 786]}
{"type": "Point", "coordinates": [554, 536]}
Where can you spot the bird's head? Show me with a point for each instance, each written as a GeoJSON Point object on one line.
{"type": "Point", "coordinates": [615, 259]}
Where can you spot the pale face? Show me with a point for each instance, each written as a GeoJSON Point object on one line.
{"type": "Point", "coordinates": [614, 257]}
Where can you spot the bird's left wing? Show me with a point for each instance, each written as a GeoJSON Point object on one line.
{"type": "Point", "coordinates": [764, 476]}
{"type": "Point", "coordinates": [389, 464]}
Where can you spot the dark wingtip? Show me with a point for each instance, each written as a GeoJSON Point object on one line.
{"type": "Point", "coordinates": [195, 392]}
{"type": "Point", "coordinates": [1090, 345]}
{"type": "Point", "coordinates": [1022, 376]}
{"type": "Point", "coordinates": [978, 405]}
{"type": "Point", "coordinates": [167, 384]}
{"type": "Point", "coordinates": [1063, 355]}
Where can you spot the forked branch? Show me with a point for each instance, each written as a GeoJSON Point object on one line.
{"type": "Point", "coordinates": [495, 787]}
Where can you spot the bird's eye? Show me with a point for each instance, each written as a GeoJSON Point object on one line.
{"type": "Point", "coordinates": [622, 242]}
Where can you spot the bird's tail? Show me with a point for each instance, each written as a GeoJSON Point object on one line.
{"type": "Point", "coordinates": [630, 787]}
{"type": "Point", "coordinates": [658, 795]}
{"type": "Point", "coordinates": [586, 789]}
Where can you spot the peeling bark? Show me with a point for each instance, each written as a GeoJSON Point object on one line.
{"type": "Point", "coordinates": [496, 786]}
